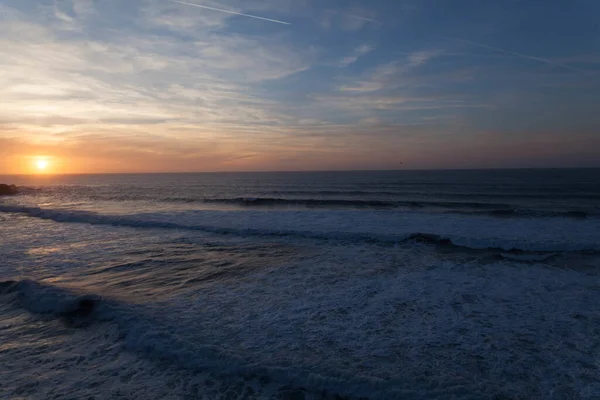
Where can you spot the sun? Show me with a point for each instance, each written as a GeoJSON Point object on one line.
{"type": "Point", "coordinates": [41, 164]}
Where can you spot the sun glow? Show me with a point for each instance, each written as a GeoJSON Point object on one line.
{"type": "Point", "coordinates": [41, 164]}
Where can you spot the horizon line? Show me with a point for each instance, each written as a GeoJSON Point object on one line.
{"type": "Point", "coordinates": [300, 171]}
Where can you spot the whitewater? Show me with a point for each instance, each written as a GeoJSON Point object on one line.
{"type": "Point", "coordinates": [372, 285]}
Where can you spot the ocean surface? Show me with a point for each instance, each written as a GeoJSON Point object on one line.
{"type": "Point", "coordinates": [321, 285]}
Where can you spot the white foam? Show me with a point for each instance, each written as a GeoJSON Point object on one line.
{"type": "Point", "coordinates": [365, 322]}
{"type": "Point", "coordinates": [398, 321]}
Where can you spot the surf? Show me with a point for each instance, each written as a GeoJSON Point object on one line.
{"type": "Point", "coordinates": [475, 232]}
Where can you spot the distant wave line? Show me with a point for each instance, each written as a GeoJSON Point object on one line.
{"type": "Point", "coordinates": [425, 236]}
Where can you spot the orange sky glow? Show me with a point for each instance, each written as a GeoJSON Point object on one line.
{"type": "Point", "coordinates": [122, 156]}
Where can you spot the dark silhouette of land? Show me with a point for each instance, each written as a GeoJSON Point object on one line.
{"type": "Point", "coordinates": [8, 190]}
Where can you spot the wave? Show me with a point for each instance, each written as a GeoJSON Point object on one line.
{"type": "Point", "coordinates": [299, 202]}
{"type": "Point", "coordinates": [476, 208]}
{"type": "Point", "coordinates": [529, 213]}
{"type": "Point", "coordinates": [475, 194]}
{"type": "Point", "coordinates": [147, 333]}
{"type": "Point", "coordinates": [477, 233]}
{"type": "Point", "coordinates": [41, 299]}
{"type": "Point", "coordinates": [492, 204]}
{"type": "Point", "coordinates": [269, 201]}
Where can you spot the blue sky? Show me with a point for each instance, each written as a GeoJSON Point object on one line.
{"type": "Point", "coordinates": [157, 85]}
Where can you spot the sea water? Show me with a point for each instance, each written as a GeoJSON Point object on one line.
{"type": "Point", "coordinates": [379, 285]}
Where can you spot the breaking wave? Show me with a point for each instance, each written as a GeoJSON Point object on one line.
{"type": "Point", "coordinates": [478, 233]}
{"type": "Point", "coordinates": [266, 201]}
{"type": "Point", "coordinates": [146, 334]}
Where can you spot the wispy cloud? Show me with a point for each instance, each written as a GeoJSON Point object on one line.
{"type": "Point", "coordinates": [520, 55]}
{"type": "Point", "coordinates": [358, 52]}
{"type": "Point", "coordinates": [389, 75]}
{"type": "Point", "coordinates": [419, 58]}
{"type": "Point", "coordinates": [351, 20]}
{"type": "Point", "coordinates": [145, 79]}
{"type": "Point", "coordinates": [187, 90]}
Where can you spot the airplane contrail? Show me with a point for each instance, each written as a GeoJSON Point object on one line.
{"type": "Point", "coordinates": [521, 55]}
{"type": "Point", "coordinates": [362, 18]}
{"type": "Point", "coordinates": [231, 12]}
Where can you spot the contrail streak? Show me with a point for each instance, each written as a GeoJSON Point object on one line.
{"type": "Point", "coordinates": [521, 55]}
{"type": "Point", "coordinates": [231, 12]}
{"type": "Point", "coordinates": [362, 18]}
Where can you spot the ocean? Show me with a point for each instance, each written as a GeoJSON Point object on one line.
{"type": "Point", "coordinates": [302, 285]}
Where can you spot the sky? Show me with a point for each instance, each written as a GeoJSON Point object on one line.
{"type": "Point", "coordinates": [94, 86]}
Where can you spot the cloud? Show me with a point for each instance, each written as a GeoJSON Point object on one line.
{"type": "Point", "coordinates": [179, 88]}
{"type": "Point", "coordinates": [146, 79]}
{"type": "Point", "coordinates": [358, 52]}
{"type": "Point", "coordinates": [390, 74]}
{"type": "Point", "coordinates": [419, 58]}
{"type": "Point", "coordinates": [521, 55]}
{"type": "Point", "coordinates": [165, 100]}
{"type": "Point", "coordinates": [374, 80]}
{"type": "Point", "coordinates": [349, 20]}
{"type": "Point", "coordinates": [364, 106]}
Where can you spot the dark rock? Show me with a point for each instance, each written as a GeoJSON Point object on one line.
{"type": "Point", "coordinates": [7, 190]}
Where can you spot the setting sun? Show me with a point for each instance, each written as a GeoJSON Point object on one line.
{"type": "Point", "coordinates": [41, 164]}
